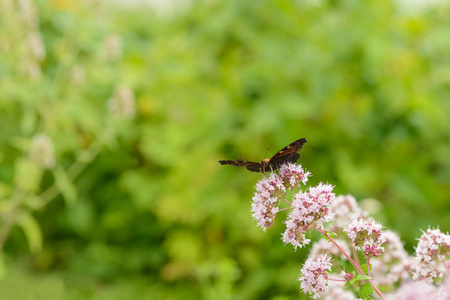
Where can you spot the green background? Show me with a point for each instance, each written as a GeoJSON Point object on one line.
{"type": "Point", "coordinates": [140, 208]}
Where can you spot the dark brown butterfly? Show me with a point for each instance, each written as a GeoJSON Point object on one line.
{"type": "Point", "coordinates": [287, 154]}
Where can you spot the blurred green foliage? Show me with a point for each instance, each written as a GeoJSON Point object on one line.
{"type": "Point", "coordinates": [126, 200]}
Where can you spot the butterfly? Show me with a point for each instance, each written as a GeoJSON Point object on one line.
{"type": "Point", "coordinates": [286, 155]}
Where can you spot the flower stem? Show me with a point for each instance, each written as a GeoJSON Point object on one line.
{"type": "Point", "coordinates": [286, 208]}
{"type": "Point", "coordinates": [331, 279]}
{"type": "Point", "coordinates": [445, 266]}
{"type": "Point", "coordinates": [322, 231]}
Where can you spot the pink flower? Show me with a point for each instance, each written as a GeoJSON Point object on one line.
{"type": "Point", "coordinates": [347, 276]}
{"type": "Point", "coordinates": [433, 245]}
{"type": "Point", "coordinates": [444, 290]}
{"type": "Point", "coordinates": [309, 210]}
{"type": "Point", "coordinates": [336, 291]}
{"type": "Point", "coordinates": [314, 277]}
{"type": "Point", "coordinates": [415, 291]}
{"type": "Point", "coordinates": [345, 209]}
{"type": "Point", "coordinates": [431, 251]}
{"type": "Point", "coordinates": [266, 201]}
{"type": "Point", "coordinates": [428, 272]}
{"type": "Point", "coordinates": [393, 266]}
{"type": "Point", "coordinates": [292, 175]}
{"type": "Point", "coordinates": [366, 236]}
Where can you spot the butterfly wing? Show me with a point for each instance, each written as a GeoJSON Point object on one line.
{"type": "Point", "coordinates": [250, 165]}
{"type": "Point", "coordinates": [292, 158]}
{"type": "Point", "coordinates": [254, 167]}
{"type": "Point", "coordinates": [287, 154]}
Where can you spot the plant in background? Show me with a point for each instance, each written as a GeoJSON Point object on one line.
{"type": "Point", "coordinates": [58, 124]}
{"type": "Point", "coordinates": [378, 257]}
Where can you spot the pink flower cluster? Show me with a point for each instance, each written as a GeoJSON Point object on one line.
{"type": "Point", "coordinates": [336, 291]}
{"type": "Point", "coordinates": [431, 252]}
{"type": "Point", "coordinates": [314, 279]}
{"type": "Point", "coordinates": [310, 210]}
{"type": "Point", "coordinates": [293, 175]}
{"type": "Point", "coordinates": [266, 201]}
{"type": "Point", "coordinates": [366, 236]}
{"type": "Point", "coordinates": [393, 266]}
{"type": "Point", "coordinates": [270, 191]}
{"type": "Point", "coordinates": [421, 290]}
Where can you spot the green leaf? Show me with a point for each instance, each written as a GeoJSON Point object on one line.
{"type": "Point", "coordinates": [331, 234]}
{"type": "Point", "coordinates": [364, 268]}
{"type": "Point", "coordinates": [65, 185]}
{"type": "Point", "coordinates": [365, 290]}
{"type": "Point", "coordinates": [362, 277]}
{"type": "Point", "coordinates": [27, 174]}
{"type": "Point", "coordinates": [32, 231]}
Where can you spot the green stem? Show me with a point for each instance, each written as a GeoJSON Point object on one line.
{"type": "Point", "coordinates": [73, 172]}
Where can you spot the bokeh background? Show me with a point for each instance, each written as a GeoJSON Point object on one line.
{"type": "Point", "coordinates": [113, 116]}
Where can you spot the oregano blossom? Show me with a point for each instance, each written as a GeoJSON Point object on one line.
{"type": "Point", "coordinates": [310, 209]}
{"type": "Point", "coordinates": [366, 236]}
{"type": "Point", "coordinates": [269, 191]}
{"type": "Point", "coordinates": [293, 175]}
{"type": "Point", "coordinates": [314, 279]}
{"type": "Point", "coordinates": [431, 253]}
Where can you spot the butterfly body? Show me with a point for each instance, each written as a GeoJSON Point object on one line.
{"type": "Point", "coordinates": [286, 155]}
